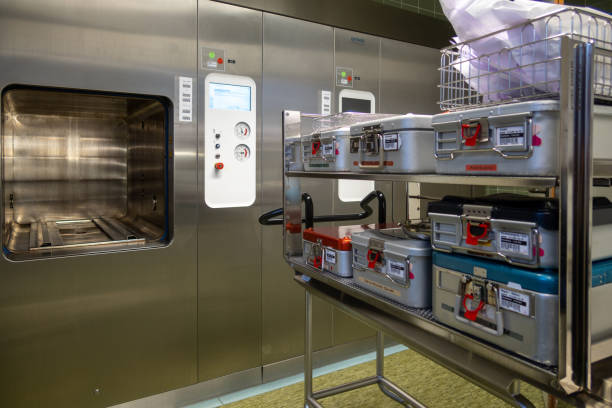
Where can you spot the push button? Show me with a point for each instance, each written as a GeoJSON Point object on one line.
{"type": "Point", "coordinates": [218, 166]}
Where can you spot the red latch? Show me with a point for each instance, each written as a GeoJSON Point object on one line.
{"type": "Point", "coordinates": [471, 314]}
{"type": "Point", "coordinates": [473, 239]}
{"type": "Point", "coordinates": [372, 258]}
{"type": "Point", "coordinates": [470, 140]}
{"type": "Point", "coordinates": [317, 262]}
{"type": "Point", "coordinates": [316, 146]}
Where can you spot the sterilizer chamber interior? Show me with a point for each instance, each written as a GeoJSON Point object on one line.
{"type": "Point", "coordinates": [83, 172]}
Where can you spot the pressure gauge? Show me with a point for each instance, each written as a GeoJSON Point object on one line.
{"type": "Point", "coordinates": [242, 152]}
{"type": "Point", "coordinates": [242, 130]}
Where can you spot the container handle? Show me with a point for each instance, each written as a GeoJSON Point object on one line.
{"type": "Point", "coordinates": [316, 146]}
{"type": "Point", "coordinates": [499, 319]}
{"type": "Point", "coordinates": [473, 239]}
{"type": "Point", "coordinates": [373, 260]}
{"type": "Point", "coordinates": [470, 140]}
{"type": "Point", "coordinates": [381, 154]}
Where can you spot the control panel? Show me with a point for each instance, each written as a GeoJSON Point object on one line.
{"type": "Point", "coordinates": [230, 141]}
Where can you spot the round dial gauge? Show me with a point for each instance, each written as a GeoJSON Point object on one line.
{"type": "Point", "coordinates": [242, 152]}
{"type": "Point", "coordinates": [242, 130]}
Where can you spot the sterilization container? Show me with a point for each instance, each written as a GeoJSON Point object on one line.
{"type": "Point", "coordinates": [513, 308]}
{"type": "Point", "coordinates": [393, 265]}
{"type": "Point", "coordinates": [516, 229]}
{"type": "Point", "coordinates": [398, 144]}
{"type": "Point", "coordinates": [328, 150]}
{"type": "Point", "coordinates": [329, 248]}
{"type": "Point", "coordinates": [518, 139]}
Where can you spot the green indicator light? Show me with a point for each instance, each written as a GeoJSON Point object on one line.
{"type": "Point", "coordinates": [211, 55]}
{"type": "Point", "coordinates": [343, 74]}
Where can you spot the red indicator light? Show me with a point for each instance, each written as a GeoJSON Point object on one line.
{"type": "Point", "coordinates": [218, 166]}
{"type": "Point", "coordinates": [220, 60]}
{"type": "Point", "coordinates": [350, 78]}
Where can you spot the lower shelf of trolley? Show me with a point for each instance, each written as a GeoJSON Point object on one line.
{"type": "Point", "coordinates": [424, 319]}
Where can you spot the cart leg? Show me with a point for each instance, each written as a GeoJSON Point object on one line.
{"type": "Point", "coordinates": [308, 350]}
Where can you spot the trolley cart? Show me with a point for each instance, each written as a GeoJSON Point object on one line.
{"type": "Point", "coordinates": [398, 144]}
{"type": "Point", "coordinates": [393, 265]}
{"type": "Point", "coordinates": [518, 139]}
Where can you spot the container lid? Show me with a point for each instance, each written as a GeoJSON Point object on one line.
{"type": "Point", "coordinates": [537, 280]}
{"type": "Point", "coordinates": [542, 211]}
{"type": "Point", "coordinates": [395, 240]}
{"type": "Point", "coordinates": [409, 121]}
{"type": "Point", "coordinates": [345, 131]}
{"type": "Point", "coordinates": [338, 238]}
{"type": "Point", "coordinates": [505, 109]}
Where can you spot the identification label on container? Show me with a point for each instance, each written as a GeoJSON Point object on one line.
{"type": "Point", "coordinates": [330, 256]}
{"type": "Point", "coordinates": [380, 286]}
{"type": "Point", "coordinates": [511, 136]}
{"type": "Point", "coordinates": [514, 242]}
{"type": "Point", "coordinates": [481, 167]}
{"type": "Point", "coordinates": [514, 301]}
{"type": "Point", "coordinates": [391, 141]}
{"type": "Point", "coordinates": [397, 269]}
{"type": "Point", "coordinates": [328, 149]}
{"type": "Point", "coordinates": [185, 99]}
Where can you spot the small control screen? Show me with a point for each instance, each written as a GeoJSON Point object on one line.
{"type": "Point", "coordinates": [229, 97]}
{"type": "Point", "coordinates": [356, 105]}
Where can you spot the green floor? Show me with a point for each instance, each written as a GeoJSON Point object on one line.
{"type": "Point", "coordinates": [428, 382]}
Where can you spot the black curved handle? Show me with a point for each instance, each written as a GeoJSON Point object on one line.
{"type": "Point", "coordinates": [310, 219]}
{"type": "Point", "coordinates": [268, 218]}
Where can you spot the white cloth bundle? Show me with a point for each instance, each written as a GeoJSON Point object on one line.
{"type": "Point", "coordinates": [517, 61]}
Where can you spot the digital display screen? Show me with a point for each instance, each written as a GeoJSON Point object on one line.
{"type": "Point", "coordinates": [356, 105]}
{"type": "Point", "coordinates": [229, 97]}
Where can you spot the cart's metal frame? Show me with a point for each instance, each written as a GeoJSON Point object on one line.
{"type": "Point", "coordinates": [494, 369]}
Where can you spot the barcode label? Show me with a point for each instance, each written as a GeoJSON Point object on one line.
{"type": "Point", "coordinates": [186, 99]}
{"type": "Point", "coordinates": [391, 141]}
{"type": "Point", "coordinates": [328, 149]}
{"type": "Point", "coordinates": [511, 136]}
{"type": "Point", "coordinates": [514, 301]}
{"type": "Point", "coordinates": [330, 256]}
{"type": "Point", "coordinates": [514, 242]}
{"type": "Point", "coordinates": [397, 269]}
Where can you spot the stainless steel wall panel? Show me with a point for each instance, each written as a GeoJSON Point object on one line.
{"type": "Point", "coordinates": [297, 64]}
{"type": "Point", "coordinates": [360, 52]}
{"type": "Point", "coordinates": [97, 330]}
{"type": "Point", "coordinates": [409, 78]}
{"type": "Point", "coordinates": [229, 249]}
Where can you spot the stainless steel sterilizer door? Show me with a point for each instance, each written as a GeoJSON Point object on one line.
{"type": "Point", "coordinates": [229, 134]}
{"type": "Point", "coordinates": [98, 271]}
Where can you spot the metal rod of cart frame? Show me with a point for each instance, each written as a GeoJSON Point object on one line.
{"type": "Point", "coordinates": [387, 387]}
{"type": "Point", "coordinates": [572, 380]}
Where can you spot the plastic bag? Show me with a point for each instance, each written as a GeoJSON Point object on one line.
{"type": "Point", "coordinates": [522, 61]}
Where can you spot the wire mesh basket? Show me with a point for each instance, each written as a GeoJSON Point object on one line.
{"type": "Point", "coordinates": [524, 61]}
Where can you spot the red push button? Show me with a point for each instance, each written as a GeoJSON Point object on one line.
{"type": "Point", "coordinates": [350, 78]}
{"type": "Point", "coordinates": [218, 166]}
{"type": "Point", "coordinates": [220, 61]}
